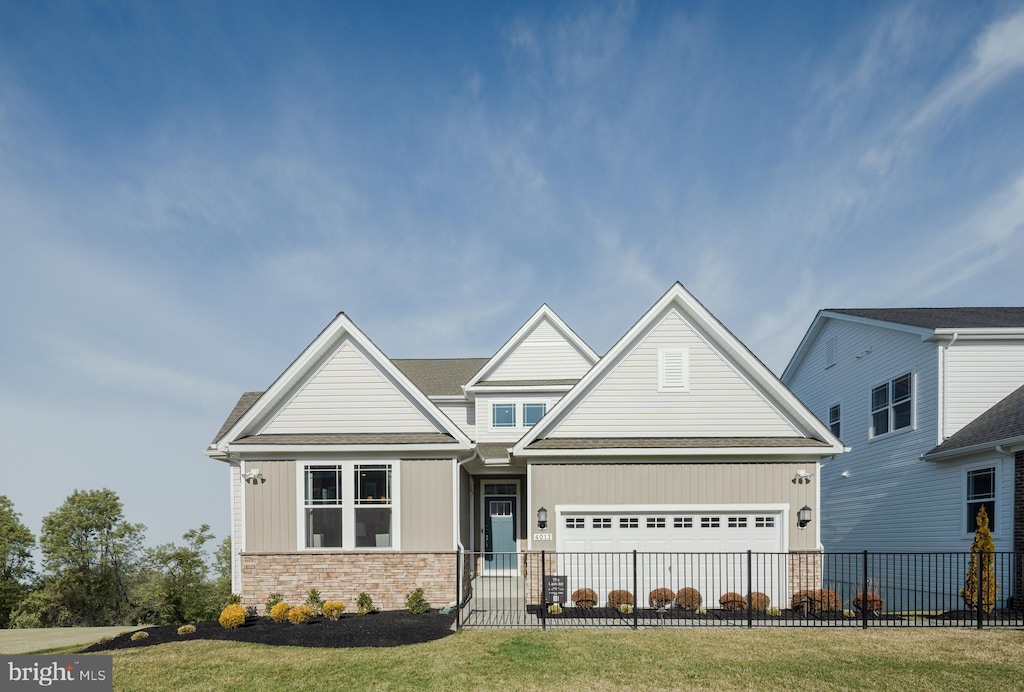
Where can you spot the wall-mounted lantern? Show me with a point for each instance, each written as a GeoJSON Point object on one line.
{"type": "Point", "coordinates": [803, 516]}
{"type": "Point", "coordinates": [542, 518]}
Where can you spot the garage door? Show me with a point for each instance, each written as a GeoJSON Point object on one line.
{"type": "Point", "coordinates": [703, 550]}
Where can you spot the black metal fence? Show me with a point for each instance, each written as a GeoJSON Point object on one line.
{"type": "Point", "coordinates": [634, 589]}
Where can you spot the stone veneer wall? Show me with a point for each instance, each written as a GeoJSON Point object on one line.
{"type": "Point", "coordinates": [804, 573]}
{"type": "Point", "coordinates": [386, 577]}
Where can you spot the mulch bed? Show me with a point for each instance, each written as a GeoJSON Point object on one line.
{"type": "Point", "coordinates": [676, 614]}
{"type": "Point", "coordinates": [389, 628]}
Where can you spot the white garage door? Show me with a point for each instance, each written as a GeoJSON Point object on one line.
{"type": "Point", "coordinates": [702, 550]}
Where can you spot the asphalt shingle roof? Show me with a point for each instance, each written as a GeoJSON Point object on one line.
{"type": "Point", "coordinates": [942, 318]}
{"type": "Point", "coordinates": [670, 442]}
{"type": "Point", "coordinates": [1003, 421]}
{"type": "Point", "coordinates": [440, 376]}
{"type": "Point", "coordinates": [524, 383]}
{"type": "Point", "coordinates": [244, 403]}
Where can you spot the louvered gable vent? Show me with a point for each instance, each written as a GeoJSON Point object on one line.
{"type": "Point", "coordinates": [830, 351]}
{"type": "Point", "coordinates": [673, 369]}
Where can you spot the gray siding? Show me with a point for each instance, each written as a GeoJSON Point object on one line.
{"type": "Point", "coordinates": [673, 484]}
{"type": "Point", "coordinates": [270, 511]}
{"type": "Point", "coordinates": [426, 504]}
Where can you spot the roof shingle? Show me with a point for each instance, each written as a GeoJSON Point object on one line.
{"type": "Point", "coordinates": [943, 318]}
{"type": "Point", "coordinates": [670, 442]}
{"type": "Point", "coordinates": [1004, 421]}
{"type": "Point", "coordinates": [439, 376]}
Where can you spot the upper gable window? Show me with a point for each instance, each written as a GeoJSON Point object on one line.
{"type": "Point", "coordinates": [673, 369]}
{"type": "Point", "coordinates": [503, 415]}
{"type": "Point", "coordinates": [892, 405]}
{"type": "Point", "coordinates": [533, 413]}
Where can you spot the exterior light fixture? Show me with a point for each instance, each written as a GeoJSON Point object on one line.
{"type": "Point", "coordinates": [253, 476]}
{"type": "Point", "coordinates": [803, 516]}
{"type": "Point", "coordinates": [542, 518]}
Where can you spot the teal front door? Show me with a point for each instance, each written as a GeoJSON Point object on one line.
{"type": "Point", "coordinates": [500, 534]}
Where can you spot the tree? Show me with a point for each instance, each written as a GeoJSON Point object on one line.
{"type": "Point", "coordinates": [222, 571]}
{"type": "Point", "coordinates": [184, 593]}
{"type": "Point", "coordinates": [982, 549]}
{"type": "Point", "coordinates": [16, 543]}
{"type": "Point", "coordinates": [89, 553]}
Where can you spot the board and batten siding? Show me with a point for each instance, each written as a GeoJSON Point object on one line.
{"type": "Point", "coordinates": [270, 510]}
{"type": "Point", "coordinates": [720, 402]}
{"type": "Point", "coordinates": [890, 499]}
{"type": "Point", "coordinates": [348, 394]}
{"type": "Point", "coordinates": [978, 375]}
{"type": "Point", "coordinates": [543, 354]}
{"type": "Point", "coordinates": [485, 432]}
{"type": "Point", "coordinates": [426, 505]}
{"type": "Point", "coordinates": [633, 483]}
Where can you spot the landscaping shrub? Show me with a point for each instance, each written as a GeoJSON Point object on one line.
{"type": "Point", "coordinates": [825, 601]}
{"type": "Point", "coordinates": [300, 614]}
{"type": "Point", "coordinates": [314, 602]}
{"type": "Point", "coordinates": [773, 611]}
{"type": "Point", "coordinates": [234, 599]}
{"type": "Point", "coordinates": [801, 599]}
{"type": "Point", "coordinates": [232, 616]}
{"type": "Point", "coordinates": [279, 613]}
{"type": "Point", "coordinates": [733, 601]}
{"type": "Point", "coordinates": [554, 609]}
{"type": "Point", "coordinates": [416, 602]}
{"type": "Point", "coordinates": [272, 600]}
{"type": "Point", "coordinates": [689, 598]}
{"type": "Point", "coordinates": [619, 597]}
{"type": "Point", "coordinates": [872, 602]}
{"type": "Point", "coordinates": [584, 598]}
{"type": "Point", "coordinates": [659, 598]}
{"type": "Point", "coordinates": [982, 548]}
{"type": "Point", "coordinates": [186, 629]}
{"type": "Point", "coordinates": [759, 601]}
{"type": "Point", "coordinates": [139, 636]}
{"type": "Point", "coordinates": [625, 608]}
{"type": "Point", "coordinates": [333, 609]}
{"type": "Point", "coordinates": [364, 603]}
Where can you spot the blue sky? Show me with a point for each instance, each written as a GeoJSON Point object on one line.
{"type": "Point", "coordinates": [189, 192]}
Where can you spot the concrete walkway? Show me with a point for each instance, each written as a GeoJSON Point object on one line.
{"type": "Point", "coordinates": [26, 641]}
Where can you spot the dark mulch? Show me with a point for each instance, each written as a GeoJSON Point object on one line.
{"type": "Point", "coordinates": [971, 616]}
{"type": "Point", "coordinates": [676, 614]}
{"type": "Point", "coordinates": [389, 628]}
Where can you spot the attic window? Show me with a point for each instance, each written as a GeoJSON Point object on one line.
{"type": "Point", "coordinates": [673, 369]}
{"type": "Point", "coordinates": [830, 352]}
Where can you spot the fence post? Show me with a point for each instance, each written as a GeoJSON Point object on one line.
{"type": "Point", "coordinates": [458, 589]}
{"type": "Point", "coordinates": [543, 591]}
{"type": "Point", "coordinates": [636, 596]}
{"type": "Point", "coordinates": [864, 592]}
{"type": "Point", "coordinates": [750, 589]}
{"type": "Point", "coordinates": [978, 603]}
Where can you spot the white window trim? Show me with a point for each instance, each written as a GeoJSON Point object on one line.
{"type": "Point", "coordinates": [348, 528]}
{"type": "Point", "coordinates": [828, 418]}
{"type": "Point", "coordinates": [519, 408]}
{"type": "Point", "coordinates": [684, 353]}
{"type": "Point", "coordinates": [515, 417]}
{"type": "Point", "coordinates": [518, 519]}
{"type": "Point", "coordinates": [913, 407]}
{"type": "Point", "coordinates": [997, 466]}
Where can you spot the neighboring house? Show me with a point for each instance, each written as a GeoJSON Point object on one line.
{"type": "Point", "coordinates": [353, 472]}
{"type": "Point", "coordinates": [929, 400]}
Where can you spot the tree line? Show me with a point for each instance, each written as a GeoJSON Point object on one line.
{"type": "Point", "coordinates": [96, 572]}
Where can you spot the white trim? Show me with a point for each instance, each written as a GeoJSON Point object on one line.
{"type": "Point", "coordinates": [983, 447]}
{"type": "Point", "coordinates": [516, 389]}
{"type": "Point", "coordinates": [808, 452]}
{"type": "Point", "coordinates": [335, 449]}
{"type": "Point", "coordinates": [236, 550]}
{"type": "Point", "coordinates": [456, 504]}
{"type": "Point", "coordinates": [890, 407]}
{"type": "Point", "coordinates": [516, 520]}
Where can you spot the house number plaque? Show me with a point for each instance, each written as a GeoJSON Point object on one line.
{"type": "Point", "coordinates": [542, 536]}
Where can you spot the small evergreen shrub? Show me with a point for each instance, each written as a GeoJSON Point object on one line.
{"type": "Point", "coordinates": [186, 629]}
{"type": "Point", "coordinates": [825, 601]}
{"type": "Point", "coordinates": [104, 640]}
{"type": "Point", "coordinates": [234, 599]}
{"type": "Point", "coordinates": [733, 601]}
{"type": "Point", "coordinates": [314, 602]}
{"type": "Point", "coordinates": [625, 608]}
{"type": "Point", "coordinates": [279, 613]}
{"type": "Point", "coordinates": [689, 598]}
{"type": "Point", "coordinates": [872, 602]}
{"type": "Point", "coordinates": [584, 598]}
{"type": "Point", "coordinates": [759, 602]}
{"type": "Point", "coordinates": [300, 614]}
{"type": "Point", "coordinates": [773, 611]}
{"type": "Point", "coordinates": [232, 616]}
{"type": "Point", "coordinates": [554, 609]}
{"type": "Point", "coordinates": [619, 597]}
{"type": "Point", "coordinates": [660, 598]}
{"type": "Point", "coordinates": [416, 602]}
{"type": "Point", "coordinates": [983, 548]}
{"type": "Point", "coordinates": [272, 600]}
{"type": "Point", "coordinates": [333, 609]}
{"type": "Point", "coordinates": [139, 636]}
{"type": "Point", "coordinates": [365, 604]}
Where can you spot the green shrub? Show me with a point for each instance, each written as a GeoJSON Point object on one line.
{"type": "Point", "coordinates": [625, 608]}
{"type": "Point", "coordinates": [364, 603]}
{"type": "Point", "coordinates": [689, 598]}
{"type": "Point", "coordinates": [660, 598]}
{"type": "Point", "coordinates": [619, 597]}
{"type": "Point", "coordinates": [104, 640]}
{"type": "Point", "coordinates": [554, 609]}
{"type": "Point", "coordinates": [759, 602]}
{"type": "Point", "coordinates": [279, 613]}
{"type": "Point", "coordinates": [186, 629]}
{"type": "Point", "coordinates": [300, 614]}
{"type": "Point", "coordinates": [232, 616]}
{"type": "Point", "coordinates": [333, 609]}
{"type": "Point", "coordinates": [234, 599]}
{"type": "Point", "coordinates": [584, 598]}
{"type": "Point", "coordinates": [139, 636]}
{"type": "Point", "coordinates": [314, 602]}
{"type": "Point", "coordinates": [872, 602]}
{"type": "Point", "coordinates": [272, 600]}
{"type": "Point", "coordinates": [416, 603]}
{"type": "Point", "coordinates": [733, 601]}
{"type": "Point", "coordinates": [982, 548]}
{"type": "Point", "coordinates": [773, 611]}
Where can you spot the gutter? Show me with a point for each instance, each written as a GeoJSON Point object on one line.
{"type": "Point", "coordinates": [999, 447]}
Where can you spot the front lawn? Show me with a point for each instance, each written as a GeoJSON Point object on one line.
{"type": "Point", "coordinates": [919, 659]}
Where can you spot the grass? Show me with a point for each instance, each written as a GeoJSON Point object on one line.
{"type": "Point", "coordinates": [939, 659]}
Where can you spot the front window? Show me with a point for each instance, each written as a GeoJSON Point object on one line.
{"type": "Point", "coordinates": [323, 507]}
{"type": "Point", "coordinates": [892, 405]}
{"type": "Point", "coordinates": [503, 415]}
{"type": "Point", "coordinates": [338, 515]}
{"type": "Point", "coordinates": [981, 492]}
{"type": "Point", "coordinates": [533, 413]}
{"type": "Point", "coordinates": [373, 506]}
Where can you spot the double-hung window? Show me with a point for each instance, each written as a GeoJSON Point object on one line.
{"type": "Point", "coordinates": [981, 492]}
{"type": "Point", "coordinates": [348, 506]}
{"type": "Point", "coordinates": [834, 420]}
{"type": "Point", "coordinates": [892, 405]}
